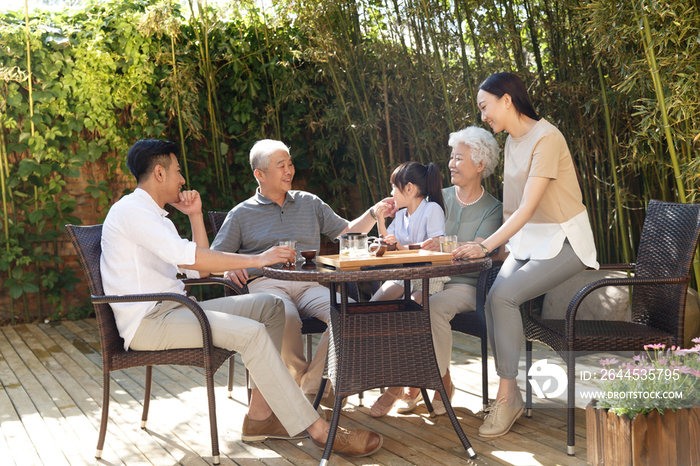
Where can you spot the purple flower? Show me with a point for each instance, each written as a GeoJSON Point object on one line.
{"type": "Point", "coordinates": [655, 346]}
{"type": "Point", "coordinates": [638, 358]}
{"type": "Point", "coordinates": [608, 362]}
{"type": "Point", "coordinates": [695, 372]}
{"type": "Point", "coordinates": [662, 361]}
{"type": "Point", "coordinates": [685, 370]}
{"type": "Point", "coordinates": [696, 340]}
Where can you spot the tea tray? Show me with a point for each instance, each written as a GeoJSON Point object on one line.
{"type": "Point", "coordinates": [397, 258]}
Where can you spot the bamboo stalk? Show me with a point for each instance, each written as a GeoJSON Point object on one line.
{"type": "Point", "coordinates": [613, 169]}
{"type": "Point", "coordinates": [658, 87]}
{"type": "Point", "coordinates": [387, 120]}
{"type": "Point", "coordinates": [438, 62]}
{"type": "Point", "coordinates": [3, 154]}
{"type": "Point", "coordinates": [465, 65]}
{"type": "Point", "coordinates": [353, 132]}
{"type": "Point", "coordinates": [202, 35]}
{"type": "Point", "coordinates": [3, 167]}
{"type": "Point", "coordinates": [270, 79]}
{"type": "Point", "coordinates": [363, 102]}
{"type": "Point", "coordinates": [651, 58]}
{"type": "Point", "coordinates": [177, 97]}
{"type": "Point", "coordinates": [29, 67]}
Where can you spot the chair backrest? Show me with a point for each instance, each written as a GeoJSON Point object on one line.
{"type": "Point", "coordinates": [666, 249]}
{"type": "Point", "coordinates": [217, 219]}
{"type": "Point", "coordinates": [87, 241]}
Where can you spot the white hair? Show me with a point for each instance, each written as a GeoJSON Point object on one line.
{"type": "Point", "coordinates": [482, 147]}
{"type": "Point", "coordinates": [261, 152]}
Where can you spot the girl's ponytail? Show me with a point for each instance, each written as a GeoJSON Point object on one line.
{"type": "Point", "coordinates": [433, 185]}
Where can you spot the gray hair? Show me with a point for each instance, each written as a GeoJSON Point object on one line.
{"type": "Point", "coordinates": [482, 147]}
{"type": "Point", "coordinates": [261, 152]}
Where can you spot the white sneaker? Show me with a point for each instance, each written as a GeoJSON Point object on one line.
{"type": "Point", "coordinates": [408, 405]}
{"type": "Point", "coordinates": [501, 417]}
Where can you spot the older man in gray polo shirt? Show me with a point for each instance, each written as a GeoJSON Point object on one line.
{"type": "Point", "coordinates": [275, 213]}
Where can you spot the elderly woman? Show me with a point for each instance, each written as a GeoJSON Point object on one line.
{"type": "Point", "coordinates": [472, 214]}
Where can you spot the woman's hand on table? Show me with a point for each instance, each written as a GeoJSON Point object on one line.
{"type": "Point", "coordinates": [469, 250]}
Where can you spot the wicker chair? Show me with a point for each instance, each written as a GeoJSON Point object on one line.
{"type": "Point", "coordinates": [87, 242]}
{"type": "Point", "coordinates": [474, 323]}
{"type": "Point", "coordinates": [662, 273]}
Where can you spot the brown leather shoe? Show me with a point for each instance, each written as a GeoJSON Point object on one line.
{"type": "Point", "coordinates": [258, 431]}
{"type": "Point", "coordinates": [354, 443]}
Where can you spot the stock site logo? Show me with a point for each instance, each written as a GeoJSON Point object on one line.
{"type": "Point", "coordinates": [543, 370]}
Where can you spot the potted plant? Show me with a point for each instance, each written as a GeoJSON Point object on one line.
{"type": "Point", "coordinates": [649, 411]}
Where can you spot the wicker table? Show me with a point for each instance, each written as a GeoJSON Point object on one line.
{"type": "Point", "coordinates": [383, 343]}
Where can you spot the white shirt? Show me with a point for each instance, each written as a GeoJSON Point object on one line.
{"type": "Point", "coordinates": [540, 241]}
{"type": "Point", "coordinates": [141, 250]}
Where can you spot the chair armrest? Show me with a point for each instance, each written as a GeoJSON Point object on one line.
{"type": "Point", "coordinates": [155, 297]}
{"type": "Point", "coordinates": [588, 289]}
{"type": "Point", "coordinates": [217, 281]}
{"type": "Point", "coordinates": [616, 267]}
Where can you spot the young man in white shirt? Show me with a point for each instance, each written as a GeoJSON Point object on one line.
{"type": "Point", "coordinates": [142, 252]}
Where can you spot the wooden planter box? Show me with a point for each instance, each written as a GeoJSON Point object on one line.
{"type": "Point", "coordinates": [652, 440]}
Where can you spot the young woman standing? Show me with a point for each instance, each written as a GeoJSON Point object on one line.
{"type": "Point", "coordinates": [546, 229]}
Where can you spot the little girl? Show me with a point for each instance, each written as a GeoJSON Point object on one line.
{"type": "Point", "coordinates": [417, 220]}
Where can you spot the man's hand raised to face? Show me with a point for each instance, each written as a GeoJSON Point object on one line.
{"type": "Point", "coordinates": [189, 203]}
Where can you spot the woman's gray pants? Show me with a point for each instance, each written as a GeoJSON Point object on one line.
{"type": "Point", "coordinates": [518, 282]}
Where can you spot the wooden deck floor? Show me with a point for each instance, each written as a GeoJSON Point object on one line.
{"type": "Point", "coordinates": [51, 391]}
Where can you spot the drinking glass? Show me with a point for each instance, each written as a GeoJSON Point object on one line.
{"type": "Point", "coordinates": [290, 244]}
{"type": "Point", "coordinates": [448, 243]}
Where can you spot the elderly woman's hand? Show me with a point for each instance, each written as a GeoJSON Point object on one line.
{"type": "Point", "coordinates": [469, 250]}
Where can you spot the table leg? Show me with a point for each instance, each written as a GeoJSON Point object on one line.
{"type": "Point", "coordinates": [455, 423]}
{"type": "Point", "coordinates": [443, 393]}
{"type": "Point", "coordinates": [337, 406]}
{"type": "Point", "coordinates": [428, 403]}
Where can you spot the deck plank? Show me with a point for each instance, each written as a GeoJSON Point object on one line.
{"type": "Point", "coordinates": [51, 396]}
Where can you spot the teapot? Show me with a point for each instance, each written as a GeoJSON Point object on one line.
{"type": "Point", "coordinates": [378, 247]}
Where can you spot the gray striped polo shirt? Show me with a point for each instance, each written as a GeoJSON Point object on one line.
{"type": "Point", "coordinates": [257, 224]}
